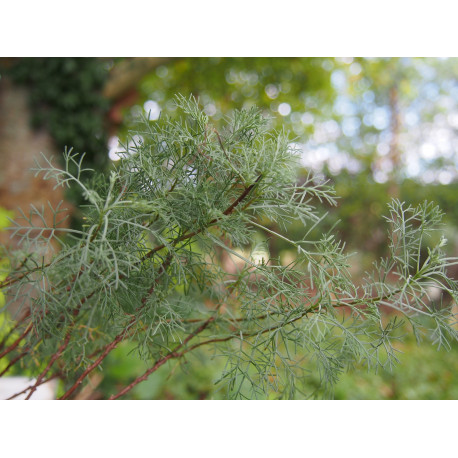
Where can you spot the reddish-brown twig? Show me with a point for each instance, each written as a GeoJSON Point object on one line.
{"type": "Point", "coordinates": [10, 281]}
{"type": "Point", "coordinates": [17, 341]}
{"type": "Point", "coordinates": [113, 344]}
{"type": "Point", "coordinates": [61, 348]}
{"type": "Point", "coordinates": [28, 313]}
{"type": "Point", "coordinates": [13, 362]}
{"type": "Point", "coordinates": [48, 367]}
{"type": "Point", "coordinates": [28, 388]}
{"type": "Point", "coordinates": [226, 212]}
{"type": "Point", "coordinates": [162, 360]}
{"type": "Point", "coordinates": [119, 338]}
{"type": "Point", "coordinates": [19, 322]}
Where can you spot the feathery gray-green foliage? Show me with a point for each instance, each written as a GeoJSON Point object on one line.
{"type": "Point", "coordinates": [167, 259]}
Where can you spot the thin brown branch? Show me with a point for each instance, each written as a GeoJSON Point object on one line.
{"type": "Point", "coordinates": [112, 345]}
{"type": "Point", "coordinates": [17, 341]}
{"type": "Point", "coordinates": [119, 338]}
{"type": "Point", "coordinates": [162, 360]}
{"type": "Point", "coordinates": [243, 336]}
{"type": "Point", "coordinates": [203, 145]}
{"type": "Point", "coordinates": [126, 74]}
{"type": "Point", "coordinates": [28, 388]}
{"type": "Point", "coordinates": [61, 349]}
{"type": "Point", "coordinates": [241, 197]}
{"type": "Point", "coordinates": [226, 212]}
{"type": "Point", "coordinates": [14, 328]}
{"type": "Point", "coordinates": [48, 367]}
{"type": "Point", "coordinates": [310, 309]}
{"type": "Point", "coordinates": [14, 361]}
{"type": "Point", "coordinates": [221, 144]}
{"type": "Point", "coordinates": [10, 281]}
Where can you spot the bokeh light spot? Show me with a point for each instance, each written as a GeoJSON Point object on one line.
{"type": "Point", "coordinates": [152, 109]}
{"type": "Point", "coordinates": [272, 91]}
{"type": "Point", "coordinates": [284, 109]}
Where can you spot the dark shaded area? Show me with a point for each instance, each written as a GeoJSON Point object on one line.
{"type": "Point", "coordinates": [65, 96]}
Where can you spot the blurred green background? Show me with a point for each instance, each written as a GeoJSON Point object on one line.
{"type": "Point", "coordinates": [376, 128]}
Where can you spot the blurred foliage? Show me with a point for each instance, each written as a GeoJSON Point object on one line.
{"type": "Point", "coordinates": [390, 107]}
{"type": "Point", "coordinates": [343, 110]}
{"type": "Point", "coordinates": [362, 202]}
{"type": "Point", "coordinates": [5, 324]}
{"type": "Point", "coordinates": [177, 380]}
{"type": "Point", "coordinates": [66, 98]}
{"type": "Point", "coordinates": [4, 263]}
{"type": "Point", "coordinates": [423, 373]}
{"type": "Point", "coordinates": [225, 84]}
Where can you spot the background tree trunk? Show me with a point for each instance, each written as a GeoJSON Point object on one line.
{"type": "Point", "coordinates": [20, 145]}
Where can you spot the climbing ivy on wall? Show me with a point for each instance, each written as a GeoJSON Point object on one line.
{"type": "Point", "coordinates": [66, 98]}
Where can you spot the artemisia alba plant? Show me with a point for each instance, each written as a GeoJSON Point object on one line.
{"type": "Point", "coordinates": [146, 267]}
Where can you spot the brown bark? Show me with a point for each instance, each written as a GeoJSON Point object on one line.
{"type": "Point", "coordinates": [126, 74]}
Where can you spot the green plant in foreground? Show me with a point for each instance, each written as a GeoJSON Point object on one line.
{"type": "Point", "coordinates": [150, 267]}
